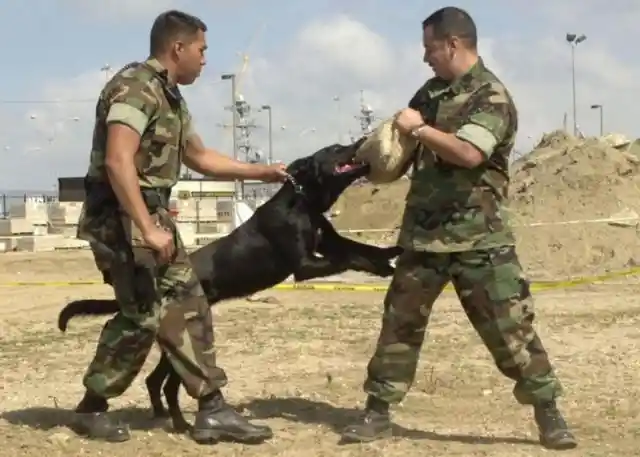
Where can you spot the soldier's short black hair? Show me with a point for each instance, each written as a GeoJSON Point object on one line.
{"type": "Point", "coordinates": [171, 26]}
{"type": "Point", "coordinates": [451, 22]}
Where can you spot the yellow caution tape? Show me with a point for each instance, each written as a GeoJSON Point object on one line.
{"type": "Point", "coordinates": [353, 287]}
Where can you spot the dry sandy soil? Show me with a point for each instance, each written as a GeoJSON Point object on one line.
{"type": "Point", "coordinates": [564, 179]}
{"type": "Point", "coordinates": [298, 366]}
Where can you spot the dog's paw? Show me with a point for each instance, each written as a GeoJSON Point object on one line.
{"type": "Point", "coordinates": [377, 267]}
{"type": "Point", "coordinates": [384, 270]}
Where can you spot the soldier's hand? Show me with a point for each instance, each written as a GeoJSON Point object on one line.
{"type": "Point", "coordinates": [161, 241]}
{"type": "Point", "coordinates": [276, 172]}
{"type": "Point", "coordinates": [408, 119]}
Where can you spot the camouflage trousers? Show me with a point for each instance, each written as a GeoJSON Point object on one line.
{"type": "Point", "coordinates": [498, 302]}
{"type": "Point", "coordinates": [163, 303]}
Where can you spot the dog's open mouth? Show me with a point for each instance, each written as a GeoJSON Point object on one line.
{"type": "Point", "coordinates": [350, 166]}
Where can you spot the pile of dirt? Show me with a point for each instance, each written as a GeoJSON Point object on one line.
{"type": "Point", "coordinates": [563, 182]}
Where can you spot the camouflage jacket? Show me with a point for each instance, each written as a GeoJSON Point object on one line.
{"type": "Point", "coordinates": [451, 208]}
{"type": "Point", "coordinates": [141, 97]}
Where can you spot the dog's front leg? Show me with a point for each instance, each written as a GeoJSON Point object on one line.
{"type": "Point", "coordinates": [360, 256]}
{"type": "Point", "coordinates": [297, 246]}
{"type": "Point", "coordinates": [318, 267]}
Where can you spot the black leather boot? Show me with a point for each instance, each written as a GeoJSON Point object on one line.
{"type": "Point", "coordinates": [217, 421]}
{"type": "Point", "coordinates": [554, 431]}
{"type": "Point", "coordinates": [374, 424]}
{"type": "Point", "coordinates": [93, 421]}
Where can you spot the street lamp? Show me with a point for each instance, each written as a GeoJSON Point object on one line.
{"type": "Point", "coordinates": [574, 40]}
{"type": "Point", "coordinates": [234, 126]}
{"type": "Point", "coordinates": [267, 108]}
{"type": "Point", "coordinates": [601, 109]}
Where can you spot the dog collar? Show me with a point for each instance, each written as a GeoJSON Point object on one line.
{"type": "Point", "coordinates": [296, 187]}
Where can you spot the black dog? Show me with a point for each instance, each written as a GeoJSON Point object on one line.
{"type": "Point", "coordinates": [279, 240]}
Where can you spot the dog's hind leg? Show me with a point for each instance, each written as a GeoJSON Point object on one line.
{"type": "Point", "coordinates": [171, 390]}
{"type": "Point", "coordinates": [154, 386]}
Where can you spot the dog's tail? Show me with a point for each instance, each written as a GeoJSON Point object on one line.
{"type": "Point", "coordinates": [88, 307]}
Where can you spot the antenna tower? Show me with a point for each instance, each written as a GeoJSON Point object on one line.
{"type": "Point", "coordinates": [366, 116]}
{"type": "Point", "coordinates": [246, 124]}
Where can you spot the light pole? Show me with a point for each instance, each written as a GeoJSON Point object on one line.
{"type": "Point", "coordinates": [601, 110]}
{"type": "Point", "coordinates": [267, 108]}
{"type": "Point", "coordinates": [234, 126]}
{"type": "Point", "coordinates": [574, 40]}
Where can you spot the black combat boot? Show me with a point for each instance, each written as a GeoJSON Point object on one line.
{"type": "Point", "coordinates": [217, 421]}
{"type": "Point", "coordinates": [373, 425]}
{"type": "Point", "coordinates": [93, 422]}
{"type": "Point", "coordinates": [554, 431]}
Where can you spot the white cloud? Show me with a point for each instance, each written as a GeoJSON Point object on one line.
{"type": "Point", "coordinates": [122, 9]}
{"type": "Point", "coordinates": [339, 56]}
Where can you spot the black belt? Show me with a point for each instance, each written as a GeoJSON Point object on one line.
{"type": "Point", "coordinates": [101, 195]}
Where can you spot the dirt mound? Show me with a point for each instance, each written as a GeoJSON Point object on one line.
{"type": "Point", "coordinates": [564, 177]}
{"type": "Point", "coordinates": [558, 194]}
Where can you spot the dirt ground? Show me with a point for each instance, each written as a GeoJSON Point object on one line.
{"type": "Point", "coordinates": [299, 365]}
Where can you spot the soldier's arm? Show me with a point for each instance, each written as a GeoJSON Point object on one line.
{"type": "Point", "coordinates": [131, 110]}
{"type": "Point", "coordinates": [214, 164]}
{"type": "Point", "coordinates": [484, 128]}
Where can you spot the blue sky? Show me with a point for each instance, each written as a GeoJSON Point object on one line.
{"type": "Point", "coordinates": [302, 55]}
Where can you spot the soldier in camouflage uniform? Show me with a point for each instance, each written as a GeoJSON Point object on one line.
{"type": "Point", "coordinates": [143, 134]}
{"type": "Point", "coordinates": [454, 229]}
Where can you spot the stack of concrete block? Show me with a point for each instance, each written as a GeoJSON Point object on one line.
{"type": "Point", "coordinates": [49, 243]}
{"type": "Point", "coordinates": [15, 226]}
{"type": "Point", "coordinates": [8, 244]}
{"type": "Point", "coordinates": [194, 216]}
{"type": "Point", "coordinates": [187, 232]}
{"type": "Point", "coordinates": [25, 219]}
{"type": "Point", "coordinates": [63, 218]}
{"type": "Point", "coordinates": [195, 210]}
{"type": "Point", "coordinates": [34, 212]}
{"type": "Point", "coordinates": [38, 226]}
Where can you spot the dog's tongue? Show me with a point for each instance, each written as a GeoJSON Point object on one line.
{"type": "Point", "coordinates": [344, 168]}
